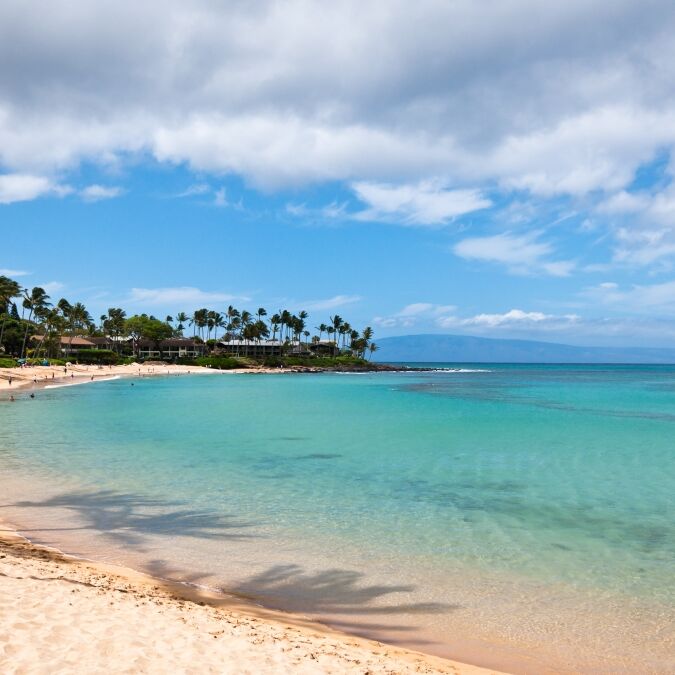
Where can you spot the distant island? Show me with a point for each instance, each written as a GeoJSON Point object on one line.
{"type": "Point", "coordinates": [469, 349]}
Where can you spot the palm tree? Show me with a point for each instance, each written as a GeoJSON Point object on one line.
{"type": "Point", "coordinates": [199, 321]}
{"type": "Point", "coordinates": [373, 348]}
{"type": "Point", "coordinates": [8, 289]}
{"type": "Point", "coordinates": [79, 317]}
{"type": "Point", "coordinates": [115, 325]}
{"type": "Point", "coordinates": [35, 301]}
{"type": "Point", "coordinates": [182, 319]}
{"type": "Point", "coordinates": [218, 322]}
{"type": "Point", "coordinates": [231, 314]}
{"type": "Point", "coordinates": [337, 323]}
{"type": "Point", "coordinates": [275, 322]}
{"type": "Point", "coordinates": [285, 322]}
{"type": "Point", "coordinates": [322, 328]}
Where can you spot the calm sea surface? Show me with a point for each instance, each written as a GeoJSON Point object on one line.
{"type": "Point", "coordinates": [520, 516]}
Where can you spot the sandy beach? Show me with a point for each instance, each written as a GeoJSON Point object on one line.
{"type": "Point", "coordinates": [64, 614]}
{"type": "Point", "coordinates": [45, 376]}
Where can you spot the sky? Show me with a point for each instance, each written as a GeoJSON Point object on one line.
{"type": "Point", "coordinates": [503, 168]}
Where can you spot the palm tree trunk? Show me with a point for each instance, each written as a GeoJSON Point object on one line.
{"type": "Point", "coordinates": [25, 336]}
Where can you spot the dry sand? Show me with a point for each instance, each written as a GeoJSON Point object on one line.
{"type": "Point", "coordinates": [59, 614]}
{"type": "Point", "coordinates": [41, 376]}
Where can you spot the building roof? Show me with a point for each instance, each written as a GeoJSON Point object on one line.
{"type": "Point", "coordinates": [251, 343]}
{"type": "Point", "coordinates": [172, 342]}
{"type": "Point", "coordinates": [68, 340]}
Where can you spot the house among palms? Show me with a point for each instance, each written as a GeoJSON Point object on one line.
{"type": "Point", "coordinates": [173, 348]}
{"type": "Point", "coordinates": [69, 345]}
{"type": "Point", "coordinates": [253, 348]}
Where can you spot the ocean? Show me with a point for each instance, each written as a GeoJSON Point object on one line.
{"type": "Point", "coordinates": [514, 516]}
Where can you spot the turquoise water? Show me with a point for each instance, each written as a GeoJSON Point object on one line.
{"type": "Point", "coordinates": [426, 506]}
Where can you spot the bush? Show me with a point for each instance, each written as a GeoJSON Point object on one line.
{"type": "Point", "coordinates": [95, 356]}
{"type": "Point", "coordinates": [8, 363]}
{"type": "Point", "coordinates": [218, 362]}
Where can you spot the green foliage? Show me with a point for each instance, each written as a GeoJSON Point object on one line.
{"type": "Point", "coordinates": [8, 363]}
{"type": "Point", "coordinates": [95, 356]}
{"type": "Point", "coordinates": [218, 362]}
{"type": "Point", "coordinates": [344, 361]}
{"type": "Point", "coordinates": [149, 328]}
{"type": "Point", "coordinates": [12, 334]}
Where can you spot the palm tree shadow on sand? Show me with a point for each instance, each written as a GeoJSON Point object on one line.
{"type": "Point", "coordinates": [340, 597]}
{"type": "Point", "coordinates": [129, 519]}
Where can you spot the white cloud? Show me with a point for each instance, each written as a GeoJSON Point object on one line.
{"type": "Point", "coordinates": [18, 187]}
{"type": "Point", "coordinates": [598, 149]}
{"type": "Point", "coordinates": [185, 296]}
{"type": "Point", "coordinates": [4, 271]}
{"type": "Point", "coordinates": [521, 253]}
{"type": "Point", "coordinates": [220, 198]}
{"type": "Point", "coordinates": [412, 314]}
{"type": "Point", "coordinates": [196, 189]}
{"type": "Point", "coordinates": [512, 318]}
{"type": "Point", "coordinates": [427, 203]}
{"type": "Point", "coordinates": [95, 193]}
{"type": "Point", "coordinates": [286, 93]}
{"type": "Point", "coordinates": [330, 303]}
{"type": "Point", "coordinates": [643, 225]}
{"type": "Point", "coordinates": [635, 299]}
{"type": "Point", "coordinates": [333, 211]}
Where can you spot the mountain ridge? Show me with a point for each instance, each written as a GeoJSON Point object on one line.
{"type": "Point", "coordinates": [432, 347]}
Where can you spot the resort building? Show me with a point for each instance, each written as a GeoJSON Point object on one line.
{"type": "Point", "coordinates": [174, 348]}
{"type": "Point", "coordinates": [69, 345]}
{"type": "Point", "coordinates": [251, 348]}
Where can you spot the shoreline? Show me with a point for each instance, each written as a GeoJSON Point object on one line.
{"type": "Point", "coordinates": [40, 377]}
{"type": "Point", "coordinates": [45, 589]}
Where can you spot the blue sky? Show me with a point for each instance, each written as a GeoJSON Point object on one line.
{"type": "Point", "coordinates": [418, 169]}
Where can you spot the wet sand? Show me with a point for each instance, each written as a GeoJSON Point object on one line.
{"type": "Point", "coordinates": [60, 613]}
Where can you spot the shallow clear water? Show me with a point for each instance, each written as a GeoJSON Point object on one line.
{"type": "Point", "coordinates": [519, 505]}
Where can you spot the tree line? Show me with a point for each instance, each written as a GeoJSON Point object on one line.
{"type": "Point", "coordinates": [54, 321]}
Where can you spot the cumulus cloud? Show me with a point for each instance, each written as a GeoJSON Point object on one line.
{"type": "Point", "coordinates": [427, 203]}
{"type": "Point", "coordinates": [18, 187]}
{"type": "Point", "coordinates": [295, 92]}
{"type": "Point", "coordinates": [425, 109]}
{"type": "Point", "coordinates": [95, 193]}
{"type": "Point", "coordinates": [521, 253]}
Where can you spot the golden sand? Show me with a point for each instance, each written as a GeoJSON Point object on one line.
{"type": "Point", "coordinates": [62, 614]}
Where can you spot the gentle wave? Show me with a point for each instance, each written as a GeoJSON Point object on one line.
{"type": "Point", "coordinates": [75, 384]}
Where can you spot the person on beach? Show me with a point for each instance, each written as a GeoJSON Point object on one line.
{"type": "Point", "coordinates": [32, 395]}
{"type": "Point", "coordinates": [10, 380]}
